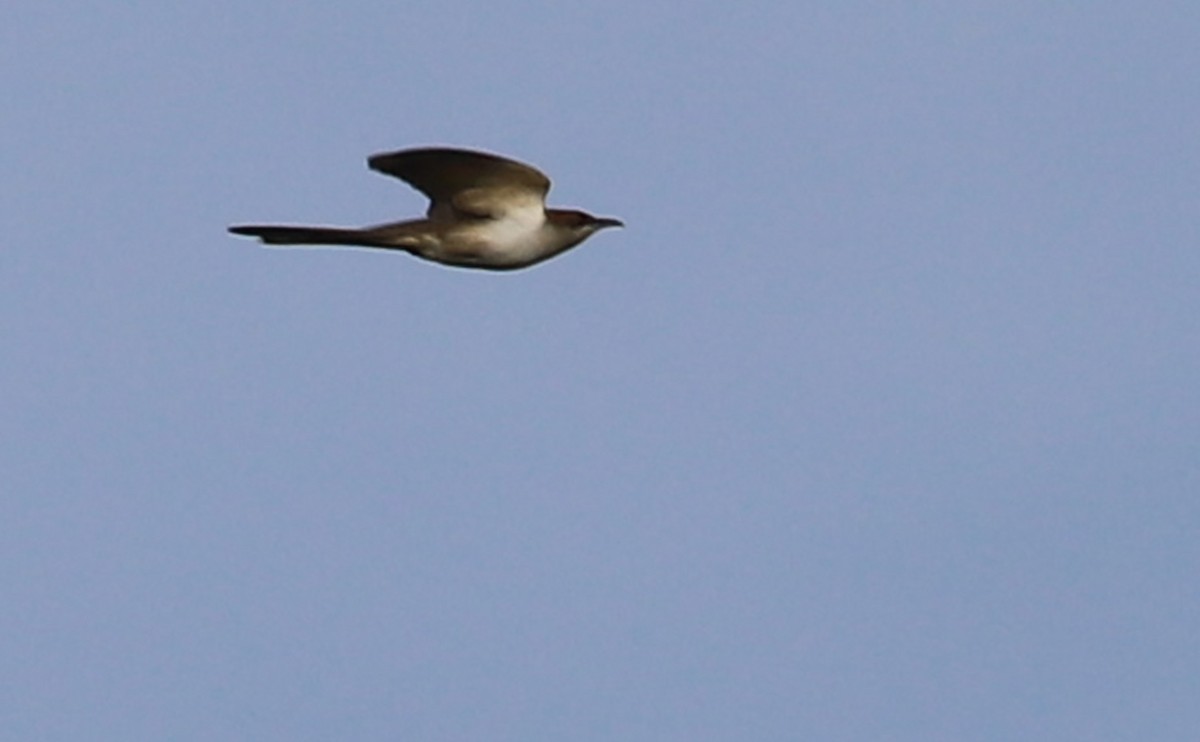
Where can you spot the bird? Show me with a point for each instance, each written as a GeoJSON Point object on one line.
{"type": "Point", "coordinates": [485, 211]}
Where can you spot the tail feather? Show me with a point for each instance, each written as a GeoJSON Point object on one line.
{"type": "Point", "coordinates": [286, 235]}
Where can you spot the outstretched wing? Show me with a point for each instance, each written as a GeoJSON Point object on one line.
{"type": "Point", "coordinates": [442, 173]}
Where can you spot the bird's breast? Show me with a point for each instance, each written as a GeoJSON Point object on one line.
{"type": "Point", "coordinates": [515, 240]}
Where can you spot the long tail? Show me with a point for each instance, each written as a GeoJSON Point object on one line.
{"type": "Point", "coordinates": [287, 235]}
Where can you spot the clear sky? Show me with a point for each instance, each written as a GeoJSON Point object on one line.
{"type": "Point", "coordinates": [879, 421]}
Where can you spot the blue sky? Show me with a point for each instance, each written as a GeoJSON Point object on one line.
{"type": "Point", "coordinates": [880, 420]}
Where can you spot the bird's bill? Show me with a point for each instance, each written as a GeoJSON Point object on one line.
{"type": "Point", "coordinates": [608, 222]}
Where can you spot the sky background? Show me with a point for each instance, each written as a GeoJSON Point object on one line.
{"type": "Point", "coordinates": [879, 421]}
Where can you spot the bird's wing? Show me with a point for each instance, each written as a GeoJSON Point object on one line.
{"type": "Point", "coordinates": [488, 203]}
{"type": "Point", "coordinates": [451, 176]}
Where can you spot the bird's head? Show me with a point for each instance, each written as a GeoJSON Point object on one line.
{"type": "Point", "coordinates": [580, 224]}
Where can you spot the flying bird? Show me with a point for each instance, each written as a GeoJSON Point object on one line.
{"type": "Point", "coordinates": [485, 211]}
